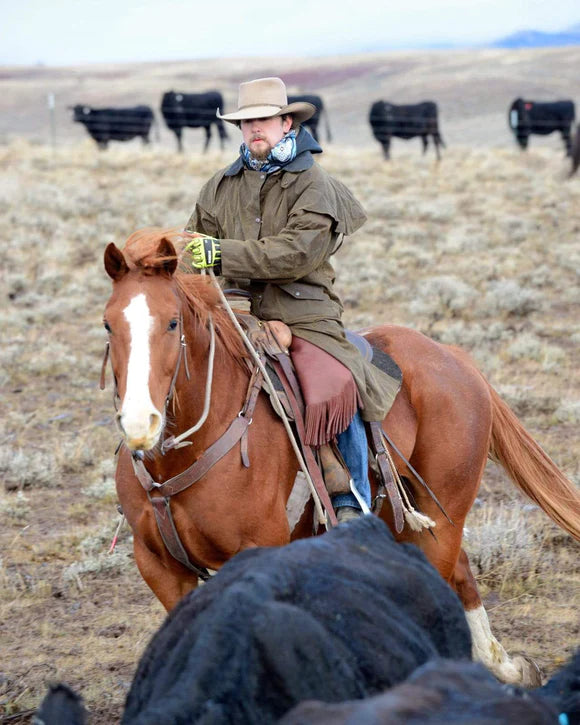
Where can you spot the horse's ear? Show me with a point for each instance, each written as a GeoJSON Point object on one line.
{"type": "Point", "coordinates": [115, 264]}
{"type": "Point", "coordinates": [166, 249]}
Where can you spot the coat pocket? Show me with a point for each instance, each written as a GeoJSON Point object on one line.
{"type": "Point", "coordinates": [303, 291]}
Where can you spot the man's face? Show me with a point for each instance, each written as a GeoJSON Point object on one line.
{"type": "Point", "coordinates": [262, 134]}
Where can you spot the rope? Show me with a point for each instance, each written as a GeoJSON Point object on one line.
{"type": "Point", "coordinates": [417, 521]}
{"type": "Point", "coordinates": [276, 401]}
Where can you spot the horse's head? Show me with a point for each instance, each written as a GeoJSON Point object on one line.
{"type": "Point", "coordinates": [143, 320]}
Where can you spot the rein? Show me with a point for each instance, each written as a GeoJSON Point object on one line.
{"type": "Point", "coordinates": [323, 517]}
{"type": "Point", "coordinates": [162, 503]}
{"type": "Point", "coordinates": [237, 431]}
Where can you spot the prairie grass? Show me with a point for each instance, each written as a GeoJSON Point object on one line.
{"type": "Point", "coordinates": [22, 468]}
{"type": "Point", "coordinates": [510, 546]}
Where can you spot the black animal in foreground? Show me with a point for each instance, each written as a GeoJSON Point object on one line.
{"type": "Point", "coordinates": [61, 706]}
{"type": "Point", "coordinates": [114, 124]}
{"type": "Point", "coordinates": [442, 691]}
{"type": "Point", "coordinates": [313, 121]}
{"type": "Point", "coordinates": [528, 117]}
{"type": "Point", "coordinates": [418, 119]}
{"type": "Point", "coordinates": [337, 617]}
{"type": "Point", "coordinates": [194, 110]}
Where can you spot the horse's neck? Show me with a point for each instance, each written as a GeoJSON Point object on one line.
{"type": "Point", "coordinates": [228, 383]}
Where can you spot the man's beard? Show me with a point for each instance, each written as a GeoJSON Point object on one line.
{"type": "Point", "coordinates": [262, 153]}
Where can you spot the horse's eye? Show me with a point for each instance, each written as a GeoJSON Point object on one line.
{"type": "Point", "coordinates": [107, 326]}
{"type": "Point", "coordinates": [172, 325]}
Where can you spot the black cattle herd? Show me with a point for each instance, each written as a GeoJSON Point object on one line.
{"type": "Point", "coordinates": [387, 120]}
{"type": "Point", "coordinates": [322, 632]}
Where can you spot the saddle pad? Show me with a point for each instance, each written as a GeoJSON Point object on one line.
{"type": "Point", "coordinates": [379, 359]}
{"type": "Point", "coordinates": [385, 362]}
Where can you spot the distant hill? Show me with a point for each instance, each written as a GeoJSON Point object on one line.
{"type": "Point", "coordinates": [538, 39]}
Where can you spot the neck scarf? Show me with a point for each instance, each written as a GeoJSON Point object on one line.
{"type": "Point", "coordinates": [281, 154]}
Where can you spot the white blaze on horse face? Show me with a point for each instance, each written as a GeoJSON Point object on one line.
{"type": "Point", "coordinates": [139, 418]}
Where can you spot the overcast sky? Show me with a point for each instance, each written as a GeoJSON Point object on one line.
{"type": "Point", "coordinates": [63, 32]}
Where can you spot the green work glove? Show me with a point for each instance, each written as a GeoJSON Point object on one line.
{"type": "Point", "coordinates": [205, 252]}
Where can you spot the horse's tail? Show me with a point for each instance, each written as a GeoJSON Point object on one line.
{"type": "Point", "coordinates": [531, 469]}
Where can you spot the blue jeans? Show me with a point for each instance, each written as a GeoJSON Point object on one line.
{"type": "Point", "coordinates": [353, 446]}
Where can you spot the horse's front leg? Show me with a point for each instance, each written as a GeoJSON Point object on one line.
{"type": "Point", "coordinates": [166, 577]}
{"type": "Point", "coordinates": [168, 581]}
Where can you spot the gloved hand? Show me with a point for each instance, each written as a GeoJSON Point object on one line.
{"type": "Point", "coordinates": [205, 252]}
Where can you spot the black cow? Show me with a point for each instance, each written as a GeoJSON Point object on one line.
{"type": "Point", "coordinates": [337, 617]}
{"type": "Point", "coordinates": [114, 124]}
{"type": "Point", "coordinates": [419, 119]}
{"type": "Point", "coordinates": [527, 117]}
{"type": "Point", "coordinates": [313, 122]}
{"type": "Point", "coordinates": [441, 691]}
{"type": "Point", "coordinates": [451, 692]}
{"type": "Point", "coordinates": [576, 151]}
{"type": "Point", "coordinates": [194, 110]}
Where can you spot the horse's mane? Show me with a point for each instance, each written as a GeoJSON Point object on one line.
{"type": "Point", "coordinates": [141, 253]}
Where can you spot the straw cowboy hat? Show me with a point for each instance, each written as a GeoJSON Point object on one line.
{"type": "Point", "coordinates": [265, 98]}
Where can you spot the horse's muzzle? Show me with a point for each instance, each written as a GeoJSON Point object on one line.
{"type": "Point", "coordinates": [141, 435]}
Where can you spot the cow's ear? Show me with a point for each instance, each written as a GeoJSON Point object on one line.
{"type": "Point", "coordinates": [115, 264]}
{"type": "Point", "coordinates": [166, 250]}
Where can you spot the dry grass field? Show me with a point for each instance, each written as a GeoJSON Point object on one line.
{"type": "Point", "coordinates": [481, 250]}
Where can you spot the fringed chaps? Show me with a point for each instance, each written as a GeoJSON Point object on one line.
{"type": "Point", "coordinates": [330, 393]}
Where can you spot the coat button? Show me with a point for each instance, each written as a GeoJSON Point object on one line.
{"type": "Point", "coordinates": [262, 176]}
{"type": "Point", "coordinates": [258, 220]}
{"type": "Point", "coordinates": [297, 294]}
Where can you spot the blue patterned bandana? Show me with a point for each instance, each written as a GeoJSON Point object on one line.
{"type": "Point", "coordinates": [283, 153]}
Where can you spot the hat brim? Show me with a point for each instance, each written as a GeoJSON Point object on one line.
{"type": "Point", "coordinates": [300, 111]}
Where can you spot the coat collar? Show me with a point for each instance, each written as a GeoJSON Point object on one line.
{"type": "Point", "coordinates": [304, 160]}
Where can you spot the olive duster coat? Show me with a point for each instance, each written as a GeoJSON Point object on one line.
{"type": "Point", "coordinates": [277, 233]}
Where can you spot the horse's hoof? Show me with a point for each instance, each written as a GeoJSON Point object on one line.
{"type": "Point", "coordinates": [531, 672]}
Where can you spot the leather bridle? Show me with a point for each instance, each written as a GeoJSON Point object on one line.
{"type": "Point", "coordinates": [237, 431]}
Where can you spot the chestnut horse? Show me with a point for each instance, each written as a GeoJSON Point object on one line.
{"type": "Point", "coordinates": [446, 421]}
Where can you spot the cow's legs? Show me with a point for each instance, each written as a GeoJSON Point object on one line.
{"type": "Point", "coordinates": [517, 670]}
{"type": "Point", "coordinates": [437, 142]}
{"type": "Point", "coordinates": [425, 142]}
{"type": "Point", "coordinates": [386, 148]}
{"type": "Point", "coordinates": [177, 132]}
{"type": "Point", "coordinates": [207, 137]}
{"type": "Point", "coordinates": [567, 140]}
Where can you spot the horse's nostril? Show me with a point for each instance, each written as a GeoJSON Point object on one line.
{"type": "Point", "coordinates": [119, 421]}
{"type": "Point", "coordinates": [154, 422]}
